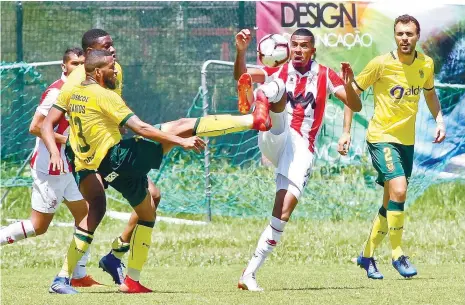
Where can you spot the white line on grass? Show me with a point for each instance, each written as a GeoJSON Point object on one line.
{"type": "Point", "coordinates": [125, 216]}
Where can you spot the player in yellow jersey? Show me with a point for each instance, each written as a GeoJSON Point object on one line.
{"type": "Point", "coordinates": [97, 39]}
{"type": "Point", "coordinates": [101, 155]}
{"type": "Point", "coordinates": [398, 78]}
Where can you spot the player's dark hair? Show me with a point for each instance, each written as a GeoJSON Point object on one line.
{"type": "Point", "coordinates": [76, 51]}
{"type": "Point", "coordinates": [404, 19]}
{"type": "Point", "coordinates": [90, 37]}
{"type": "Point", "coordinates": [96, 59]}
{"type": "Point", "coordinates": [304, 32]}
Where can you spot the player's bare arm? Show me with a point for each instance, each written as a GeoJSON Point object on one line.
{"type": "Point", "coordinates": [243, 39]}
{"type": "Point", "coordinates": [148, 131]}
{"type": "Point", "coordinates": [48, 136]}
{"type": "Point", "coordinates": [349, 96]}
{"type": "Point", "coordinates": [343, 145]}
{"type": "Point", "coordinates": [435, 108]}
{"type": "Point", "coordinates": [36, 125]}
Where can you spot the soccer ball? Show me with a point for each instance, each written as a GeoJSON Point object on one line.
{"type": "Point", "coordinates": [273, 50]}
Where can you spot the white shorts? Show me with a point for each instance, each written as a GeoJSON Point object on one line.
{"type": "Point", "coordinates": [48, 191]}
{"type": "Point", "coordinates": [290, 155]}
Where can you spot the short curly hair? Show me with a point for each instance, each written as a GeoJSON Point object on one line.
{"type": "Point", "coordinates": [407, 19]}
{"type": "Point", "coordinates": [90, 37]}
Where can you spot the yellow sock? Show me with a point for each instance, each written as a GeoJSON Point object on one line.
{"type": "Point", "coordinates": [378, 232]}
{"type": "Point", "coordinates": [395, 220]}
{"type": "Point", "coordinates": [79, 245]}
{"type": "Point", "coordinates": [140, 243]}
{"type": "Point", "coordinates": [119, 247]}
{"type": "Point", "coordinates": [218, 125]}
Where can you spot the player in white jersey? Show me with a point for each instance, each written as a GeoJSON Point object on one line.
{"type": "Point", "coordinates": [50, 187]}
{"type": "Point", "coordinates": [297, 92]}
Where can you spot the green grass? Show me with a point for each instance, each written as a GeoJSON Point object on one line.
{"type": "Point", "coordinates": [312, 265]}
{"type": "Point", "coordinates": [286, 284]}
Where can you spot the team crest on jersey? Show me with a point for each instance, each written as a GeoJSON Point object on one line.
{"type": "Point", "coordinates": [112, 176]}
{"type": "Point", "coordinates": [291, 80]}
{"type": "Point", "coordinates": [422, 74]}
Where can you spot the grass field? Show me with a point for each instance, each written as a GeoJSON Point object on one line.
{"type": "Point", "coordinates": [312, 265]}
{"type": "Point", "coordinates": [286, 284]}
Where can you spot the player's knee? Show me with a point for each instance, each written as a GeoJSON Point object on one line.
{"type": "Point", "coordinates": [398, 192]}
{"type": "Point", "coordinates": [274, 90]}
{"type": "Point", "coordinates": [40, 228]}
{"type": "Point", "coordinates": [156, 196]}
{"type": "Point", "coordinates": [155, 201]}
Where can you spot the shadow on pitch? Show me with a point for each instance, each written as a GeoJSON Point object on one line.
{"type": "Point", "coordinates": [320, 288]}
{"type": "Point", "coordinates": [118, 292]}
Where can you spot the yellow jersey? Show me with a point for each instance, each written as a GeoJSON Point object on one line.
{"type": "Point", "coordinates": [396, 88]}
{"type": "Point", "coordinates": [95, 115]}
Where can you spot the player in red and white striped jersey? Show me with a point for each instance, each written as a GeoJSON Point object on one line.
{"type": "Point", "coordinates": [297, 92]}
{"type": "Point", "coordinates": [50, 187]}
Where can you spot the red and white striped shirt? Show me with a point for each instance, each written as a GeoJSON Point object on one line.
{"type": "Point", "coordinates": [306, 96]}
{"type": "Point", "coordinates": [41, 157]}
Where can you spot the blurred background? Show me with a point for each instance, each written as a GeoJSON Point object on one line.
{"type": "Point", "coordinates": [162, 48]}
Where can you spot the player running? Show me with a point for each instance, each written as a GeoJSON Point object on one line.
{"type": "Point", "coordinates": [296, 93]}
{"type": "Point", "coordinates": [51, 187]}
{"type": "Point", "coordinates": [398, 78]}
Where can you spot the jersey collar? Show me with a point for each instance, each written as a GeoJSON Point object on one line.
{"type": "Point", "coordinates": [313, 69]}
{"type": "Point", "coordinates": [63, 77]}
{"type": "Point", "coordinates": [394, 55]}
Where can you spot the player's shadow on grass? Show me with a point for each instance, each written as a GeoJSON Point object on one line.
{"type": "Point", "coordinates": [320, 288]}
{"type": "Point", "coordinates": [118, 292]}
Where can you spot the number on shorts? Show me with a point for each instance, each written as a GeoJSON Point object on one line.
{"type": "Point", "coordinates": [80, 135]}
{"type": "Point", "coordinates": [387, 154]}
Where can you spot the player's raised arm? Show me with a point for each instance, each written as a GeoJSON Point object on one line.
{"type": "Point", "coordinates": [348, 96]}
{"type": "Point", "coordinates": [48, 136]}
{"type": "Point", "coordinates": [167, 140]}
{"type": "Point", "coordinates": [243, 39]}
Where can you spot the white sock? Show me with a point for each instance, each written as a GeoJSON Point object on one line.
{"type": "Point", "coordinates": [134, 274]}
{"type": "Point", "coordinates": [267, 242]}
{"type": "Point", "coordinates": [16, 231]}
{"type": "Point", "coordinates": [80, 269]}
{"type": "Point", "coordinates": [273, 90]}
{"type": "Point", "coordinates": [279, 121]}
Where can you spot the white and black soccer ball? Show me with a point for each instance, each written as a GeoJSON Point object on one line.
{"type": "Point", "coordinates": [273, 50]}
